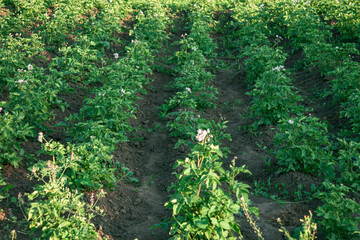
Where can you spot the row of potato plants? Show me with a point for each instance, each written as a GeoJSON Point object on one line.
{"type": "Point", "coordinates": [306, 31]}
{"type": "Point", "coordinates": [342, 16]}
{"type": "Point", "coordinates": [201, 199]}
{"type": "Point", "coordinates": [301, 140]}
{"type": "Point", "coordinates": [270, 84]}
{"type": "Point", "coordinates": [335, 62]}
{"type": "Point", "coordinates": [30, 92]}
{"type": "Point", "coordinates": [87, 161]}
{"type": "Point", "coordinates": [104, 118]}
{"type": "Point", "coordinates": [34, 89]}
{"type": "Point", "coordinates": [50, 26]}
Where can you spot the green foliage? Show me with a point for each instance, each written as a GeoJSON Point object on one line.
{"type": "Point", "coordinates": [201, 208]}
{"type": "Point", "coordinates": [103, 120]}
{"type": "Point", "coordinates": [12, 132]}
{"type": "Point", "coordinates": [349, 164]}
{"type": "Point", "coordinates": [77, 61]}
{"type": "Point", "coordinates": [183, 124]}
{"type": "Point", "coordinates": [58, 212]}
{"type": "Point", "coordinates": [34, 96]}
{"type": "Point", "coordinates": [95, 44]}
{"type": "Point", "coordinates": [111, 107]}
{"type": "Point", "coordinates": [268, 99]}
{"type": "Point", "coordinates": [3, 190]}
{"type": "Point", "coordinates": [250, 28]}
{"type": "Point", "coordinates": [352, 110]}
{"type": "Point", "coordinates": [105, 116]}
{"type": "Point", "coordinates": [261, 59]}
{"type": "Point", "coordinates": [15, 53]}
{"type": "Point", "coordinates": [201, 22]}
{"type": "Point", "coordinates": [68, 18]}
{"type": "Point", "coordinates": [244, 34]}
{"type": "Point", "coordinates": [194, 91]}
{"type": "Point", "coordinates": [346, 80]}
{"type": "Point", "coordinates": [150, 25]}
{"type": "Point", "coordinates": [339, 214]}
{"type": "Point", "coordinates": [304, 145]}
{"type": "Point", "coordinates": [89, 165]}
{"type": "Point", "coordinates": [327, 57]}
{"type": "Point", "coordinates": [304, 27]}
{"type": "Point", "coordinates": [202, 202]}
{"type": "Point", "coordinates": [183, 100]}
{"type": "Point", "coordinates": [340, 14]}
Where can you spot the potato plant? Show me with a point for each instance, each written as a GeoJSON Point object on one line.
{"type": "Point", "coordinates": [201, 208]}
{"type": "Point", "coordinates": [305, 30]}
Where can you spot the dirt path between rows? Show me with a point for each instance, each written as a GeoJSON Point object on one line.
{"type": "Point", "coordinates": [133, 208]}
{"type": "Point", "coordinates": [252, 150]}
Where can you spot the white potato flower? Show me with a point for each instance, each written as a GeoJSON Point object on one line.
{"type": "Point", "coordinates": [279, 68]}
{"type": "Point", "coordinates": [40, 137]}
{"type": "Point", "coordinates": [201, 134]}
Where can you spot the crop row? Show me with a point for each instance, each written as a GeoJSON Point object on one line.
{"type": "Point", "coordinates": [32, 83]}
{"type": "Point", "coordinates": [342, 16]}
{"type": "Point", "coordinates": [57, 209]}
{"type": "Point", "coordinates": [202, 199]}
{"type": "Point", "coordinates": [336, 62]}
{"type": "Point", "coordinates": [202, 207]}
{"type": "Point", "coordinates": [333, 60]}
{"type": "Point", "coordinates": [302, 140]}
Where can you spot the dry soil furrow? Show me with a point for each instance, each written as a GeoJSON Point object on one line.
{"type": "Point", "coordinates": [134, 208]}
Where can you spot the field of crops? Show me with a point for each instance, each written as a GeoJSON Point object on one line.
{"type": "Point", "coordinates": [180, 119]}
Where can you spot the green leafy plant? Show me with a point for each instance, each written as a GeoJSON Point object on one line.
{"type": "Point", "coordinates": [304, 27]}
{"type": "Point", "coordinates": [345, 81]}
{"type": "Point", "coordinates": [77, 61]}
{"type": "Point", "coordinates": [304, 145]}
{"type": "Point", "coordinates": [339, 214]}
{"type": "Point", "coordinates": [268, 99]}
{"type": "Point", "coordinates": [327, 57]}
{"type": "Point", "coordinates": [349, 164]}
{"type": "Point", "coordinates": [16, 52]}
{"type": "Point", "coordinates": [34, 96]}
{"type": "Point", "coordinates": [56, 212]}
{"type": "Point", "coordinates": [261, 59]}
{"type": "Point", "coordinates": [3, 192]}
{"type": "Point", "coordinates": [201, 27]}
{"type": "Point", "coordinates": [151, 24]}
{"type": "Point", "coordinates": [13, 130]}
{"type": "Point", "coordinates": [341, 15]}
{"type": "Point", "coordinates": [201, 208]}
{"type": "Point", "coordinates": [351, 110]}
{"type": "Point", "coordinates": [91, 165]}
{"type": "Point", "coordinates": [183, 124]}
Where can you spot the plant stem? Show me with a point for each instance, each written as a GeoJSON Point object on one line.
{"type": "Point", "coordinates": [199, 165]}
